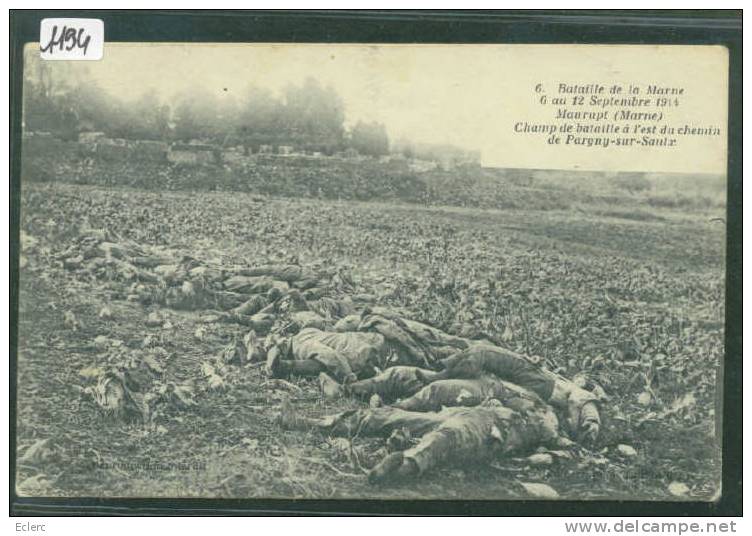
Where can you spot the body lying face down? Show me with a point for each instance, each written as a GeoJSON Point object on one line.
{"type": "Point", "coordinates": [475, 375]}
{"type": "Point", "coordinates": [361, 345]}
{"type": "Point", "coordinates": [521, 422]}
{"type": "Point", "coordinates": [349, 357]}
{"type": "Point", "coordinates": [345, 356]}
{"type": "Point", "coordinates": [579, 406]}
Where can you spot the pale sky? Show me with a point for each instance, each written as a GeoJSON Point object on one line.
{"type": "Point", "coordinates": [466, 95]}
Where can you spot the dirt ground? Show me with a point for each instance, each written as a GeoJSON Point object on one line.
{"type": "Point", "coordinates": [632, 300]}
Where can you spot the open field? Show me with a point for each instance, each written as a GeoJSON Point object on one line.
{"type": "Point", "coordinates": [632, 299]}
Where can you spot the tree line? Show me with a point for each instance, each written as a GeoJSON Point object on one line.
{"type": "Point", "coordinates": [307, 116]}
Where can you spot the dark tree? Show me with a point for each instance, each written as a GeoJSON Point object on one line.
{"type": "Point", "coordinates": [370, 139]}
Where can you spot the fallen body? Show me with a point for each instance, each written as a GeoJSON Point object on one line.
{"type": "Point", "coordinates": [450, 436]}
{"type": "Point", "coordinates": [345, 356]}
{"type": "Point", "coordinates": [361, 345]}
{"type": "Point", "coordinates": [488, 371]}
{"type": "Point", "coordinates": [579, 405]}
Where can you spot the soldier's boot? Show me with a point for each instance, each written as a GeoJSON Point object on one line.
{"type": "Point", "coordinates": [273, 362]}
{"type": "Point", "coordinates": [375, 401]}
{"type": "Point", "coordinates": [329, 387]}
{"type": "Point", "coordinates": [408, 469]}
{"type": "Point", "coordinates": [590, 423]}
{"type": "Point", "coordinates": [429, 376]}
{"type": "Point", "coordinates": [386, 468]}
{"type": "Point", "coordinates": [394, 467]}
{"type": "Point", "coordinates": [581, 408]}
{"type": "Point", "coordinates": [398, 440]}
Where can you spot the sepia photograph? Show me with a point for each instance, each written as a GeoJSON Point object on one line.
{"type": "Point", "coordinates": [372, 271]}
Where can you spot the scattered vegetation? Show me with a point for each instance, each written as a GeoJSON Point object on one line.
{"type": "Point", "coordinates": [633, 304]}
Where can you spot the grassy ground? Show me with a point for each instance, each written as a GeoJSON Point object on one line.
{"type": "Point", "coordinates": [632, 299]}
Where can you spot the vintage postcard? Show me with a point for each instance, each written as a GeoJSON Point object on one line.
{"type": "Point", "coordinates": [372, 271]}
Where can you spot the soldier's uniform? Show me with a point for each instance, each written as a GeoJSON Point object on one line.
{"type": "Point", "coordinates": [393, 383]}
{"type": "Point", "coordinates": [449, 436]}
{"type": "Point", "coordinates": [449, 393]}
{"type": "Point", "coordinates": [488, 372]}
{"type": "Point", "coordinates": [579, 405]}
{"type": "Point", "coordinates": [345, 356]}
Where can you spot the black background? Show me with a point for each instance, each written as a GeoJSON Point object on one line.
{"type": "Point", "coordinates": [553, 26]}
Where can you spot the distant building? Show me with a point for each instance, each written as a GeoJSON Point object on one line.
{"type": "Point", "coordinates": [109, 148]}
{"type": "Point", "coordinates": [421, 166]}
{"type": "Point", "coordinates": [192, 153]}
{"type": "Point", "coordinates": [90, 137]}
{"type": "Point", "coordinates": [285, 149]}
{"type": "Point", "coordinates": [451, 160]}
{"type": "Point", "coordinates": [36, 134]}
{"type": "Point", "coordinates": [155, 151]}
